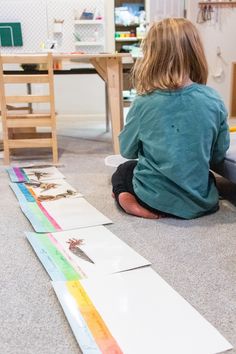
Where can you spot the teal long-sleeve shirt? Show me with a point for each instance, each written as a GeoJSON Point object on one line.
{"type": "Point", "coordinates": [176, 135]}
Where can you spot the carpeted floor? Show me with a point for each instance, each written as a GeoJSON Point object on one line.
{"type": "Point", "coordinates": [197, 258]}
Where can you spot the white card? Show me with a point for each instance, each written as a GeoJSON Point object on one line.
{"type": "Point", "coordinates": [72, 213]}
{"type": "Point", "coordinates": [53, 188]}
{"type": "Point", "coordinates": [43, 174]}
{"type": "Point", "coordinates": [104, 253]}
{"type": "Point", "coordinates": [146, 315]}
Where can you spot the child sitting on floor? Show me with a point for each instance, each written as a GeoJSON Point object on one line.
{"type": "Point", "coordinates": [176, 127]}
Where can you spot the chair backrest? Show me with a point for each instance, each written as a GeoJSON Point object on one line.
{"type": "Point", "coordinates": [17, 126]}
{"type": "Point", "coordinates": [6, 77]}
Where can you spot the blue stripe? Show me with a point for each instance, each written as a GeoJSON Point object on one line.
{"type": "Point", "coordinates": [44, 258]}
{"type": "Point", "coordinates": [33, 219]}
{"type": "Point", "coordinates": [20, 191]}
{"type": "Point", "coordinates": [26, 193]}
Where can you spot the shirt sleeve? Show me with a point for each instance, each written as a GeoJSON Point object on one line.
{"type": "Point", "coordinates": [129, 137]}
{"type": "Point", "coordinates": [223, 139]}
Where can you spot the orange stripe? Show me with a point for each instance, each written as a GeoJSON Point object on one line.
{"type": "Point", "coordinates": [95, 323]}
{"type": "Point", "coordinates": [32, 192]}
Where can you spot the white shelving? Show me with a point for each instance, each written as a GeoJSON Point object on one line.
{"type": "Point", "coordinates": [89, 22]}
{"type": "Point", "coordinates": [90, 34]}
{"type": "Point", "coordinates": [87, 44]}
{"type": "Point", "coordinates": [128, 39]}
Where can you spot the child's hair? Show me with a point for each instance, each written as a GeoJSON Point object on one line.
{"type": "Point", "coordinates": [172, 53]}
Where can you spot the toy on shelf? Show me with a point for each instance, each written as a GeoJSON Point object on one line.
{"type": "Point", "coordinates": [77, 36]}
{"type": "Point", "coordinates": [58, 26]}
{"type": "Point", "coordinates": [87, 15]}
{"type": "Point", "coordinates": [89, 31]}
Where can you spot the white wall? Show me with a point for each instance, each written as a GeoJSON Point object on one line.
{"type": "Point", "coordinates": [74, 94]}
{"type": "Point", "coordinates": [79, 95]}
{"type": "Point", "coordinates": [110, 25]}
{"type": "Point", "coordinates": [85, 94]}
{"type": "Point", "coordinates": [220, 34]}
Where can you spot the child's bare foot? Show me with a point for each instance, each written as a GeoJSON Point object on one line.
{"type": "Point", "coordinates": [131, 206]}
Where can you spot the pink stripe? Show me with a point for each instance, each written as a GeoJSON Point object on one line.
{"type": "Point", "coordinates": [48, 216]}
{"type": "Point", "coordinates": [19, 174]}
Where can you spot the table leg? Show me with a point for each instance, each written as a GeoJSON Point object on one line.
{"type": "Point", "coordinates": [107, 110]}
{"type": "Point", "coordinates": [115, 88]}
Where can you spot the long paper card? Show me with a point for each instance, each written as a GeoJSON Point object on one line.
{"type": "Point", "coordinates": [56, 265]}
{"type": "Point", "coordinates": [62, 214]}
{"type": "Point", "coordinates": [74, 213]}
{"type": "Point", "coordinates": [142, 312]}
{"type": "Point", "coordinates": [92, 251]}
{"type": "Point", "coordinates": [90, 330]}
{"type": "Point", "coordinates": [44, 191]}
{"type": "Point", "coordinates": [35, 173]}
{"type": "Point", "coordinates": [38, 217]}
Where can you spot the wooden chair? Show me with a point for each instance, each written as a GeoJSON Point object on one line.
{"type": "Point", "coordinates": [20, 128]}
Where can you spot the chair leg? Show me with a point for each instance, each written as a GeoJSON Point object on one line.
{"type": "Point", "coordinates": [54, 148]}
{"type": "Point", "coordinates": [54, 155]}
{"type": "Point", "coordinates": [6, 155]}
{"type": "Point", "coordinates": [7, 134]}
{"type": "Point", "coordinates": [108, 118]}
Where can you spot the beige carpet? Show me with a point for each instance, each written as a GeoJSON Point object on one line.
{"type": "Point", "coordinates": [196, 257]}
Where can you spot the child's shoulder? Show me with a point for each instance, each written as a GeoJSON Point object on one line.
{"type": "Point", "coordinates": [203, 92]}
{"type": "Point", "coordinates": [208, 92]}
{"type": "Point", "coordinates": [210, 95]}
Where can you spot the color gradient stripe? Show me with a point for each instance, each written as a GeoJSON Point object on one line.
{"type": "Point", "coordinates": [21, 176]}
{"type": "Point", "coordinates": [32, 193]}
{"type": "Point", "coordinates": [28, 195]}
{"type": "Point", "coordinates": [41, 220]}
{"type": "Point", "coordinates": [76, 320]}
{"type": "Point", "coordinates": [49, 217]}
{"type": "Point", "coordinates": [67, 257]}
{"type": "Point", "coordinates": [43, 224]}
{"type": "Point", "coordinates": [17, 174]}
{"type": "Point", "coordinates": [54, 273]}
{"type": "Point", "coordinates": [106, 343]}
{"type": "Point", "coordinates": [57, 258]}
{"type": "Point", "coordinates": [12, 174]}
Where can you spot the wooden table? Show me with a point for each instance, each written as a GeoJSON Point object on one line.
{"type": "Point", "coordinates": [109, 68]}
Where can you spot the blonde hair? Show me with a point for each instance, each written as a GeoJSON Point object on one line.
{"type": "Point", "coordinates": [172, 53]}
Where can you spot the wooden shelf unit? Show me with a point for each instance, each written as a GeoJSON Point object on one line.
{"type": "Point", "coordinates": [218, 3]}
{"type": "Point", "coordinates": [119, 27]}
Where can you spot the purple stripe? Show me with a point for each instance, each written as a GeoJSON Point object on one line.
{"type": "Point", "coordinates": [19, 174]}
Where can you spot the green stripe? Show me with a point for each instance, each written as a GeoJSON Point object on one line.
{"type": "Point", "coordinates": [41, 217]}
{"type": "Point", "coordinates": [58, 259]}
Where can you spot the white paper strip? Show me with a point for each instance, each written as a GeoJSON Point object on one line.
{"type": "Point", "coordinates": [78, 325]}
{"type": "Point", "coordinates": [72, 213]}
{"type": "Point", "coordinates": [107, 252]}
{"type": "Point", "coordinates": [43, 174]}
{"type": "Point", "coordinates": [53, 188]}
{"type": "Point", "coordinates": [145, 315]}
